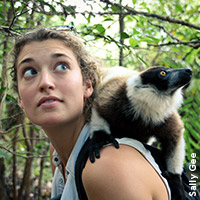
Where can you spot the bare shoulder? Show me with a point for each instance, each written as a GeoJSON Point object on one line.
{"type": "Point", "coordinates": [122, 174]}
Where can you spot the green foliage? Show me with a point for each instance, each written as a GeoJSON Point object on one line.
{"type": "Point", "coordinates": [191, 114]}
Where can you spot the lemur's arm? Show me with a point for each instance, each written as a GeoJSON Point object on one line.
{"type": "Point", "coordinates": [100, 135]}
{"type": "Point", "coordinates": [98, 140]}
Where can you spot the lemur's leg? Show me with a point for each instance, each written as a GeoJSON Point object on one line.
{"type": "Point", "coordinates": [100, 135]}
{"type": "Point", "coordinates": [173, 144]}
{"type": "Point", "coordinates": [176, 156]}
{"type": "Point", "coordinates": [174, 150]}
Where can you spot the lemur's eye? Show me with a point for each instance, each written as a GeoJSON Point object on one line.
{"type": "Point", "coordinates": [163, 73]}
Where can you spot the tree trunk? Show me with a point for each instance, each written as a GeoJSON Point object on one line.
{"type": "Point", "coordinates": [3, 194]}
{"type": "Point", "coordinates": [121, 30]}
{"type": "Point", "coordinates": [24, 190]}
{"type": "Point", "coordinates": [7, 22]}
{"type": "Point", "coordinates": [3, 191]}
{"type": "Point", "coordinates": [40, 177]}
{"type": "Point", "coordinates": [15, 164]}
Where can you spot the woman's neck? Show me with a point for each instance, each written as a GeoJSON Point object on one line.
{"type": "Point", "coordinates": [63, 138]}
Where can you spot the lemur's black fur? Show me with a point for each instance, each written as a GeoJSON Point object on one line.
{"type": "Point", "coordinates": [141, 105]}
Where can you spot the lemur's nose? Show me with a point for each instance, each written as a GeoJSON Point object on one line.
{"type": "Point", "coordinates": [189, 71]}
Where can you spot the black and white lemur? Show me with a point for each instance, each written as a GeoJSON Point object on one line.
{"type": "Point", "coordinates": [139, 106]}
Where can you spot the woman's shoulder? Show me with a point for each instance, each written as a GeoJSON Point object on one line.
{"type": "Point", "coordinates": [121, 174]}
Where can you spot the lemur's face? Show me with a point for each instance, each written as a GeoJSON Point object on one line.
{"type": "Point", "coordinates": [166, 79]}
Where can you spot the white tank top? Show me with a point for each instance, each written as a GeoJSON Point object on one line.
{"type": "Point", "coordinates": [147, 154]}
{"type": "Point", "coordinates": [68, 190]}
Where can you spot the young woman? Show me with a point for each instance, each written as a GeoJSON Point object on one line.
{"type": "Point", "coordinates": [56, 79]}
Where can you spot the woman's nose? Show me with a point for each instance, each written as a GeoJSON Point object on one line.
{"type": "Point", "coordinates": [46, 82]}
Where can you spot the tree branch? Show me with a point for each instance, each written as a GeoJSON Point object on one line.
{"type": "Point", "coordinates": [165, 30]}
{"type": "Point", "coordinates": [14, 127]}
{"type": "Point", "coordinates": [195, 46]}
{"type": "Point", "coordinates": [19, 155]}
{"type": "Point", "coordinates": [16, 15]}
{"type": "Point", "coordinates": [146, 14]}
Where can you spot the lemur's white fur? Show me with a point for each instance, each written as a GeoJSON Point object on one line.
{"type": "Point", "coordinates": [98, 123]}
{"type": "Point", "coordinates": [109, 73]}
{"type": "Point", "coordinates": [177, 157]}
{"type": "Point", "coordinates": [151, 140]}
{"type": "Point", "coordinates": [154, 107]}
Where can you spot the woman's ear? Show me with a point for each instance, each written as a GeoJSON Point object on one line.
{"type": "Point", "coordinates": [88, 88]}
{"type": "Point", "coordinates": [20, 103]}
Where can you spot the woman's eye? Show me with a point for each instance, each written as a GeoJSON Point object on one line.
{"type": "Point", "coordinates": [61, 67]}
{"type": "Point", "coordinates": [29, 72]}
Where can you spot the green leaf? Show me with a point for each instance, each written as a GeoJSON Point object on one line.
{"type": "Point", "coordinates": [193, 132]}
{"type": "Point", "coordinates": [187, 143]}
{"type": "Point", "coordinates": [154, 39]}
{"type": "Point", "coordinates": [135, 32]}
{"type": "Point", "coordinates": [196, 145]}
{"type": "Point", "coordinates": [35, 128]}
{"type": "Point", "coordinates": [124, 35]}
{"type": "Point", "coordinates": [179, 8]}
{"type": "Point", "coordinates": [11, 98]}
{"type": "Point", "coordinates": [188, 100]}
{"type": "Point", "coordinates": [146, 39]}
{"type": "Point", "coordinates": [144, 4]}
{"type": "Point", "coordinates": [186, 107]}
{"type": "Point", "coordinates": [50, 6]}
{"type": "Point", "coordinates": [133, 42]}
{"type": "Point", "coordinates": [108, 19]}
{"type": "Point", "coordinates": [139, 58]}
{"type": "Point", "coordinates": [100, 28]}
{"type": "Point", "coordinates": [115, 8]}
{"type": "Point", "coordinates": [196, 107]}
{"type": "Point", "coordinates": [134, 1]}
{"type": "Point", "coordinates": [2, 89]}
{"type": "Point", "coordinates": [171, 63]}
{"type": "Point", "coordinates": [2, 155]}
{"type": "Point", "coordinates": [197, 100]}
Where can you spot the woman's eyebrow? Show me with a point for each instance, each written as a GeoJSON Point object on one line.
{"type": "Point", "coordinates": [26, 60]}
{"type": "Point", "coordinates": [57, 55]}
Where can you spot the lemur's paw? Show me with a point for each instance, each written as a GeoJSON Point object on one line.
{"type": "Point", "coordinates": [99, 139]}
{"type": "Point", "coordinates": [176, 185]}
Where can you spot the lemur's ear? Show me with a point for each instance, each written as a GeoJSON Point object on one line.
{"type": "Point", "coordinates": [88, 88]}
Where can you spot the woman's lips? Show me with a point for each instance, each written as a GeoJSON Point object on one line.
{"type": "Point", "coordinates": [48, 101]}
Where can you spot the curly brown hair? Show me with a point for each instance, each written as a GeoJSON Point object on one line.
{"type": "Point", "coordinates": [89, 65]}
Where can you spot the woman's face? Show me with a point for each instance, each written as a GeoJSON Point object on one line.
{"type": "Point", "coordinates": [50, 83]}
